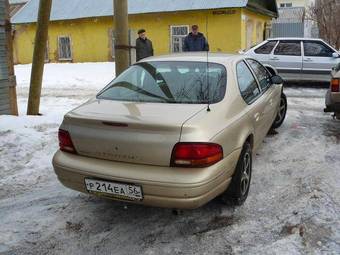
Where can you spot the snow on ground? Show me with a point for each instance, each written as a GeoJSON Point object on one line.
{"type": "Point", "coordinates": [69, 76]}
{"type": "Point", "coordinates": [293, 206]}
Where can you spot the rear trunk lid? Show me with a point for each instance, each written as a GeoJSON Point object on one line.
{"type": "Point", "coordinates": [141, 133]}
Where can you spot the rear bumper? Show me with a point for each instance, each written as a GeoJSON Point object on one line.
{"type": "Point", "coordinates": [332, 102]}
{"type": "Point", "coordinates": [182, 188]}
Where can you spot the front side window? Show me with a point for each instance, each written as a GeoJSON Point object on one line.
{"type": "Point", "coordinates": [266, 48]}
{"type": "Point", "coordinates": [178, 34]}
{"type": "Point", "coordinates": [64, 44]}
{"type": "Point", "coordinates": [288, 48]}
{"type": "Point", "coordinates": [169, 82]}
{"type": "Point", "coordinates": [317, 49]}
{"type": "Point", "coordinates": [247, 83]}
{"type": "Point", "coordinates": [261, 73]}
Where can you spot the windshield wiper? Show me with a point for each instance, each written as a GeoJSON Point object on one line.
{"type": "Point", "coordinates": [164, 86]}
{"type": "Point", "coordinates": [132, 87]}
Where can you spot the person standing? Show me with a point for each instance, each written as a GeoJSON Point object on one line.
{"type": "Point", "coordinates": [144, 47]}
{"type": "Point", "coordinates": [195, 41]}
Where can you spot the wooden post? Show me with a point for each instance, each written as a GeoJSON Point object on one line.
{"type": "Point", "coordinates": [122, 48]}
{"type": "Point", "coordinates": [39, 57]}
{"type": "Point", "coordinates": [12, 80]}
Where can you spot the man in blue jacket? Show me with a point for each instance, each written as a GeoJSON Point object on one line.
{"type": "Point", "coordinates": [195, 41]}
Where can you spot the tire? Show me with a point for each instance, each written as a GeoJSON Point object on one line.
{"type": "Point", "coordinates": [281, 115]}
{"type": "Point", "coordinates": [238, 190]}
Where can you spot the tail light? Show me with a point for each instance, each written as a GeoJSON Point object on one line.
{"type": "Point", "coordinates": [335, 85]}
{"type": "Point", "coordinates": [196, 154]}
{"type": "Point", "coordinates": [65, 142]}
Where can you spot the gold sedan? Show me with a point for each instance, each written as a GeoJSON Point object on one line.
{"type": "Point", "coordinates": [172, 131]}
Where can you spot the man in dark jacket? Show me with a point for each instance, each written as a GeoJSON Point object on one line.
{"type": "Point", "coordinates": [195, 41]}
{"type": "Point", "coordinates": [144, 47]}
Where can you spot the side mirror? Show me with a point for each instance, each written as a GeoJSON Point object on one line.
{"type": "Point", "coordinates": [335, 55]}
{"type": "Point", "coordinates": [276, 79]}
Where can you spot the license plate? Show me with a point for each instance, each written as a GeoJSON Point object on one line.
{"type": "Point", "coordinates": [118, 190]}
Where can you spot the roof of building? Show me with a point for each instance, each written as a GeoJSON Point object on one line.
{"type": "Point", "coordinates": [15, 6]}
{"type": "Point", "coordinates": [78, 9]}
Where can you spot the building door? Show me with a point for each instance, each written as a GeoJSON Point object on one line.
{"type": "Point", "coordinates": [132, 42]}
{"type": "Point", "coordinates": [250, 28]}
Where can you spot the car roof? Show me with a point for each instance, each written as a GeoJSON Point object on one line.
{"type": "Point", "coordinates": [221, 58]}
{"type": "Point", "coordinates": [293, 39]}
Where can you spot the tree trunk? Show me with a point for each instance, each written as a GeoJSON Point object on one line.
{"type": "Point", "coordinates": [122, 48]}
{"type": "Point", "coordinates": [39, 57]}
{"type": "Point", "coordinates": [9, 46]}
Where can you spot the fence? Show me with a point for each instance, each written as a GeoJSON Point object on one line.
{"type": "Point", "coordinates": [288, 29]}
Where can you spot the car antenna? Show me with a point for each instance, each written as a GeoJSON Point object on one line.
{"type": "Point", "coordinates": [207, 70]}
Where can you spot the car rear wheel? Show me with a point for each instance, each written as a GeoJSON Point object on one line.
{"type": "Point", "coordinates": [238, 189]}
{"type": "Point", "coordinates": [281, 114]}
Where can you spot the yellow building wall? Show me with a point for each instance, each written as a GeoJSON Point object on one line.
{"type": "Point", "coordinates": [257, 22]}
{"type": "Point", "coordinates": [90, 38]}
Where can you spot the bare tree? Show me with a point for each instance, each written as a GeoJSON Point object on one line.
{"type": "Point", "coordinates": [326, 15]}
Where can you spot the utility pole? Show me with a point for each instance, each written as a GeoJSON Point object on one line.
{"type": "Point", "coordinates": [122, 48]}
{"type": "Point", "coordinates": [12, 80]}
{"type": "Point", "coordinates": [39, 57]}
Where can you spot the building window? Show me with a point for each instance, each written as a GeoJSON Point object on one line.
{"type": "Point", "coordinates": [178, 34]}
{"type": "Point", "coordinates": [286, 5]}
{"type": "Point", "coordinates": [64, 48]}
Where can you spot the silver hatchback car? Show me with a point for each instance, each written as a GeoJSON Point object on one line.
{"type": "Point", "coordinates": [297, 59]}
{"type": "Point", "coordinates": [333, 93]}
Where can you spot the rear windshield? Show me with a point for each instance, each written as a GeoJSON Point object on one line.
{"type": "Point", "coordinates": [169, 82]}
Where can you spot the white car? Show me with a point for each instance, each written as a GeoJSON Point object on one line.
{"type": "Point", "coordinates": [298, 59]}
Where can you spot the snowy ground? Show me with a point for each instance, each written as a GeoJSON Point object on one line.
{"type": "Point", "coordinates": [293, 206]}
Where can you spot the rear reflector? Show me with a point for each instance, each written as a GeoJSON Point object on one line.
{"type": "Point", "coordinates": [65, 142]}
{"type": "Point", "coordinates": [335, 85]}
{"type": "Point", "coordinates": [196, 154]}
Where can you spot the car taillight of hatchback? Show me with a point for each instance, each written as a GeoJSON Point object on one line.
{"type": "Point", "coordinates": [335, 85]}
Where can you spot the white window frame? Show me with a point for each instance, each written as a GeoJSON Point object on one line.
{"type": "Point", "coordinates": [47, 52]}
{"type": "Point", "coordinates": [112, 39]}
{"type": "Point", "coordinates": [172, 35]}
{"type": "Point", "coordinates": [71, 53]}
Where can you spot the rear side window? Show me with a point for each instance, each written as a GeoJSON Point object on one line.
{"type": "Point", "coordinates": [316, 49]}
{"type": "Point", "coordinates": [288, 48]}
{"type": "Point", "coordinates": [266, 48]}
{"type": "Point", "coordinates": [247, 83]}
{"type": "Point", "coordinates": [261, 73]}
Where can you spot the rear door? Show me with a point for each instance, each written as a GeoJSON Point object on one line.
{"type": "Point", "coordinates": [271, 95]}
{"type": "Point", "coordinates": [318, 60]}
{"type": "Point", "coordinates": [264, 51]}
{"type": "Point", "coordinates": [287, 59]}
{"type": "Point", "coordinates": [251, 94]}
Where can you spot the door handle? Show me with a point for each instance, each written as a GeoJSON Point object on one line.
{"type": "Point", "coordinates": [308, 60]}
{"type": "Point", "coordinates": [257, 116]}
{"type": "Point", "coordinates": [274, 58]}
